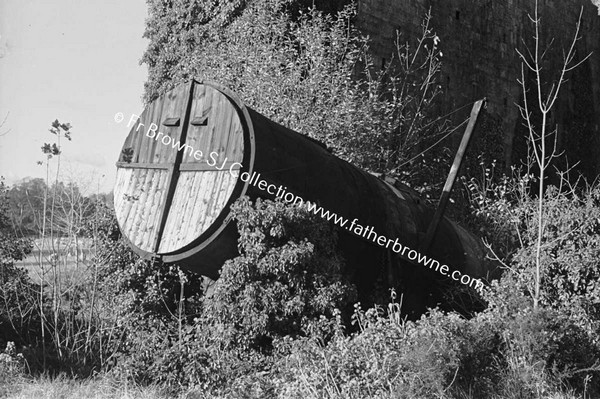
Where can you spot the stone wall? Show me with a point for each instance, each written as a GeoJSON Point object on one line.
{"type": "Point", "coordinates": [478, 40]}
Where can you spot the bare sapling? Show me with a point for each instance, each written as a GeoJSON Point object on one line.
{"type": "Point", "coordinates": [542, 101]}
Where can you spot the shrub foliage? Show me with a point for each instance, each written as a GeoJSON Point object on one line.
{"type": "Point", "coordinates": [279, 320]}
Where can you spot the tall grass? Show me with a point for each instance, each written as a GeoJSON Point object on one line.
{"type": "Point", "coordinates": [64, 387]}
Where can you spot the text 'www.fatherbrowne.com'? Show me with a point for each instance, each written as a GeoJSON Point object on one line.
{"type": "Point", "coordinates": [367, 232]}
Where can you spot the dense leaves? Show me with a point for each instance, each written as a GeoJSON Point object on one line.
{"type": "Point", "coordinates": [14, 282]}
{"type": "Point", "coordinates": [12, 248]}
{"type": "Point", "coordinates": [271, 325]}
{"type": "Point", "coordinates": [504, 209]}
{"type": "Point", "coordinates": [310, 71]}
{"type": "Point", "coordinates": [286, 278]}
{"type": "Point", "coordinates": [288, 274]}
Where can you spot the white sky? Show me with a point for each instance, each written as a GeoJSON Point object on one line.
{"type": "Point", "coordinates": [77, 61]}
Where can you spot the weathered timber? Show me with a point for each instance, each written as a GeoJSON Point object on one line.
{"type": "Point", "coordinates": [462, 149]}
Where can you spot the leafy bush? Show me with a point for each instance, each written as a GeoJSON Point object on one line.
{"type": "Point", "coordinates": [11, 362]}
{"type": "Point", "coordinates": [17, 317]}
{"type": "Point", "coordinates": [532, 355]}
{"type": "Point", "coordinates": [311, 71]}
{"type": "Point", "coordinates": [145, 309]}
{"type": "Point", "coordinates": [556, 344]}
{"type": "Point", "coordinates": [386, 358]}
{"type": "Point", "coordinates": [570, 254]}
{"type": "Point", "coordinates": [545, 348]}
{"type": "Point", "coordinates": [287, 276]}
{"type": "Point", "coordinates": [570, 245]}
{"type": "Point", "coordinates": [271, 328]}
{"type": "Point", "coordinates": [288, 273]}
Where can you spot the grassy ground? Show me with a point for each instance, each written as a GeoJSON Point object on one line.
{"type": "Point", "coordinates": [66, 388]}
{"type": "Point", "coordinates": [106, 388]}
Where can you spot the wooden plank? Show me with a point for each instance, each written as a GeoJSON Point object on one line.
{"type": "Point", "coordinates": [171, 108]}
{"type": "Point", "coordinates": [174, 219]}
{"type": "Point", "coordinates": [176, 216]}
{"type": "Point", "coordinates": [222, 192]}
{"type": "Point", "coordinates": [157, 147]}
{"type": "Point", "coordinates": [177, 219]}
{"type": "Point", "coordinates": [226, 188]}
{"type": "Point", "coordinates": [235, 146]}
{"type": "Point", "coordinates": [228, 115]}
{"type": "Point", "coordinates": [173, 173]}
{"type": "Point", "coordinates": [183, 167]}
{"type": "Point", "coordinates": [187, 210]}
{"type": "Point", "coordinates": [137, 142]}
{"type": "Point", "coordinates": [123, 208]}
{"type": "Point", "coordinates": [220, 128]}
{"type": "Point", "coordinates": [220, 189]}
{"type": "Point", "coordinates": [209, 199]}
{"type": "Point", "coordinates": [175, 238]}
{"type": "Point", "coordinates": [133, 220]}
{"type": "Point", "coordinates": [144, 211]}
{"type": "Point", "coordinates": [173, 105]}
{"type": "Point", "coordinates": [145, 144]}
{"type": "Point", "coordinates": [209, 213]}
{"type": "Point", "coordinates": [215, 204]}
{"type": "Point", "coordinates": [153, 204]}
{"type": "Point", "coordinates": [127, 165]}
{"type": "Point", "coordinates": [208, 131]}
{"type": "Point", "coordinates": [152, 144]}
{"type": "Point", "coordinates": [462, 149]}
{"type": "Point", "coordinates": [197, 207]}
{"type": "Point", "coordinates": [175, 234]}
{"type": "Point", "coordinates": [123, 178]}
{"type": "Point", "coordinates": [201, 167]}
{"type": "Point", "coordinates": [127, 144]}
{"type": "Point", "coordinates": [195, 132]}
{"type": "Point", "coordinates": [145, 216]}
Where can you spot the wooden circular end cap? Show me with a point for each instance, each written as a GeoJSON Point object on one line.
{"type": "Point", "coordinates": [178, 170]}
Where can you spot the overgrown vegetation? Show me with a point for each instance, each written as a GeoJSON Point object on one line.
{"type": "Point", "coordinates": [310, 71]}
{"type": "Point", "coordinates": [281, 321]}
{"type": "Point", "coordinates": [271, 325]}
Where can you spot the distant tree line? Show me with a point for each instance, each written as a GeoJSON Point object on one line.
{"type": "Point", "coordinates": [25, 211]}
